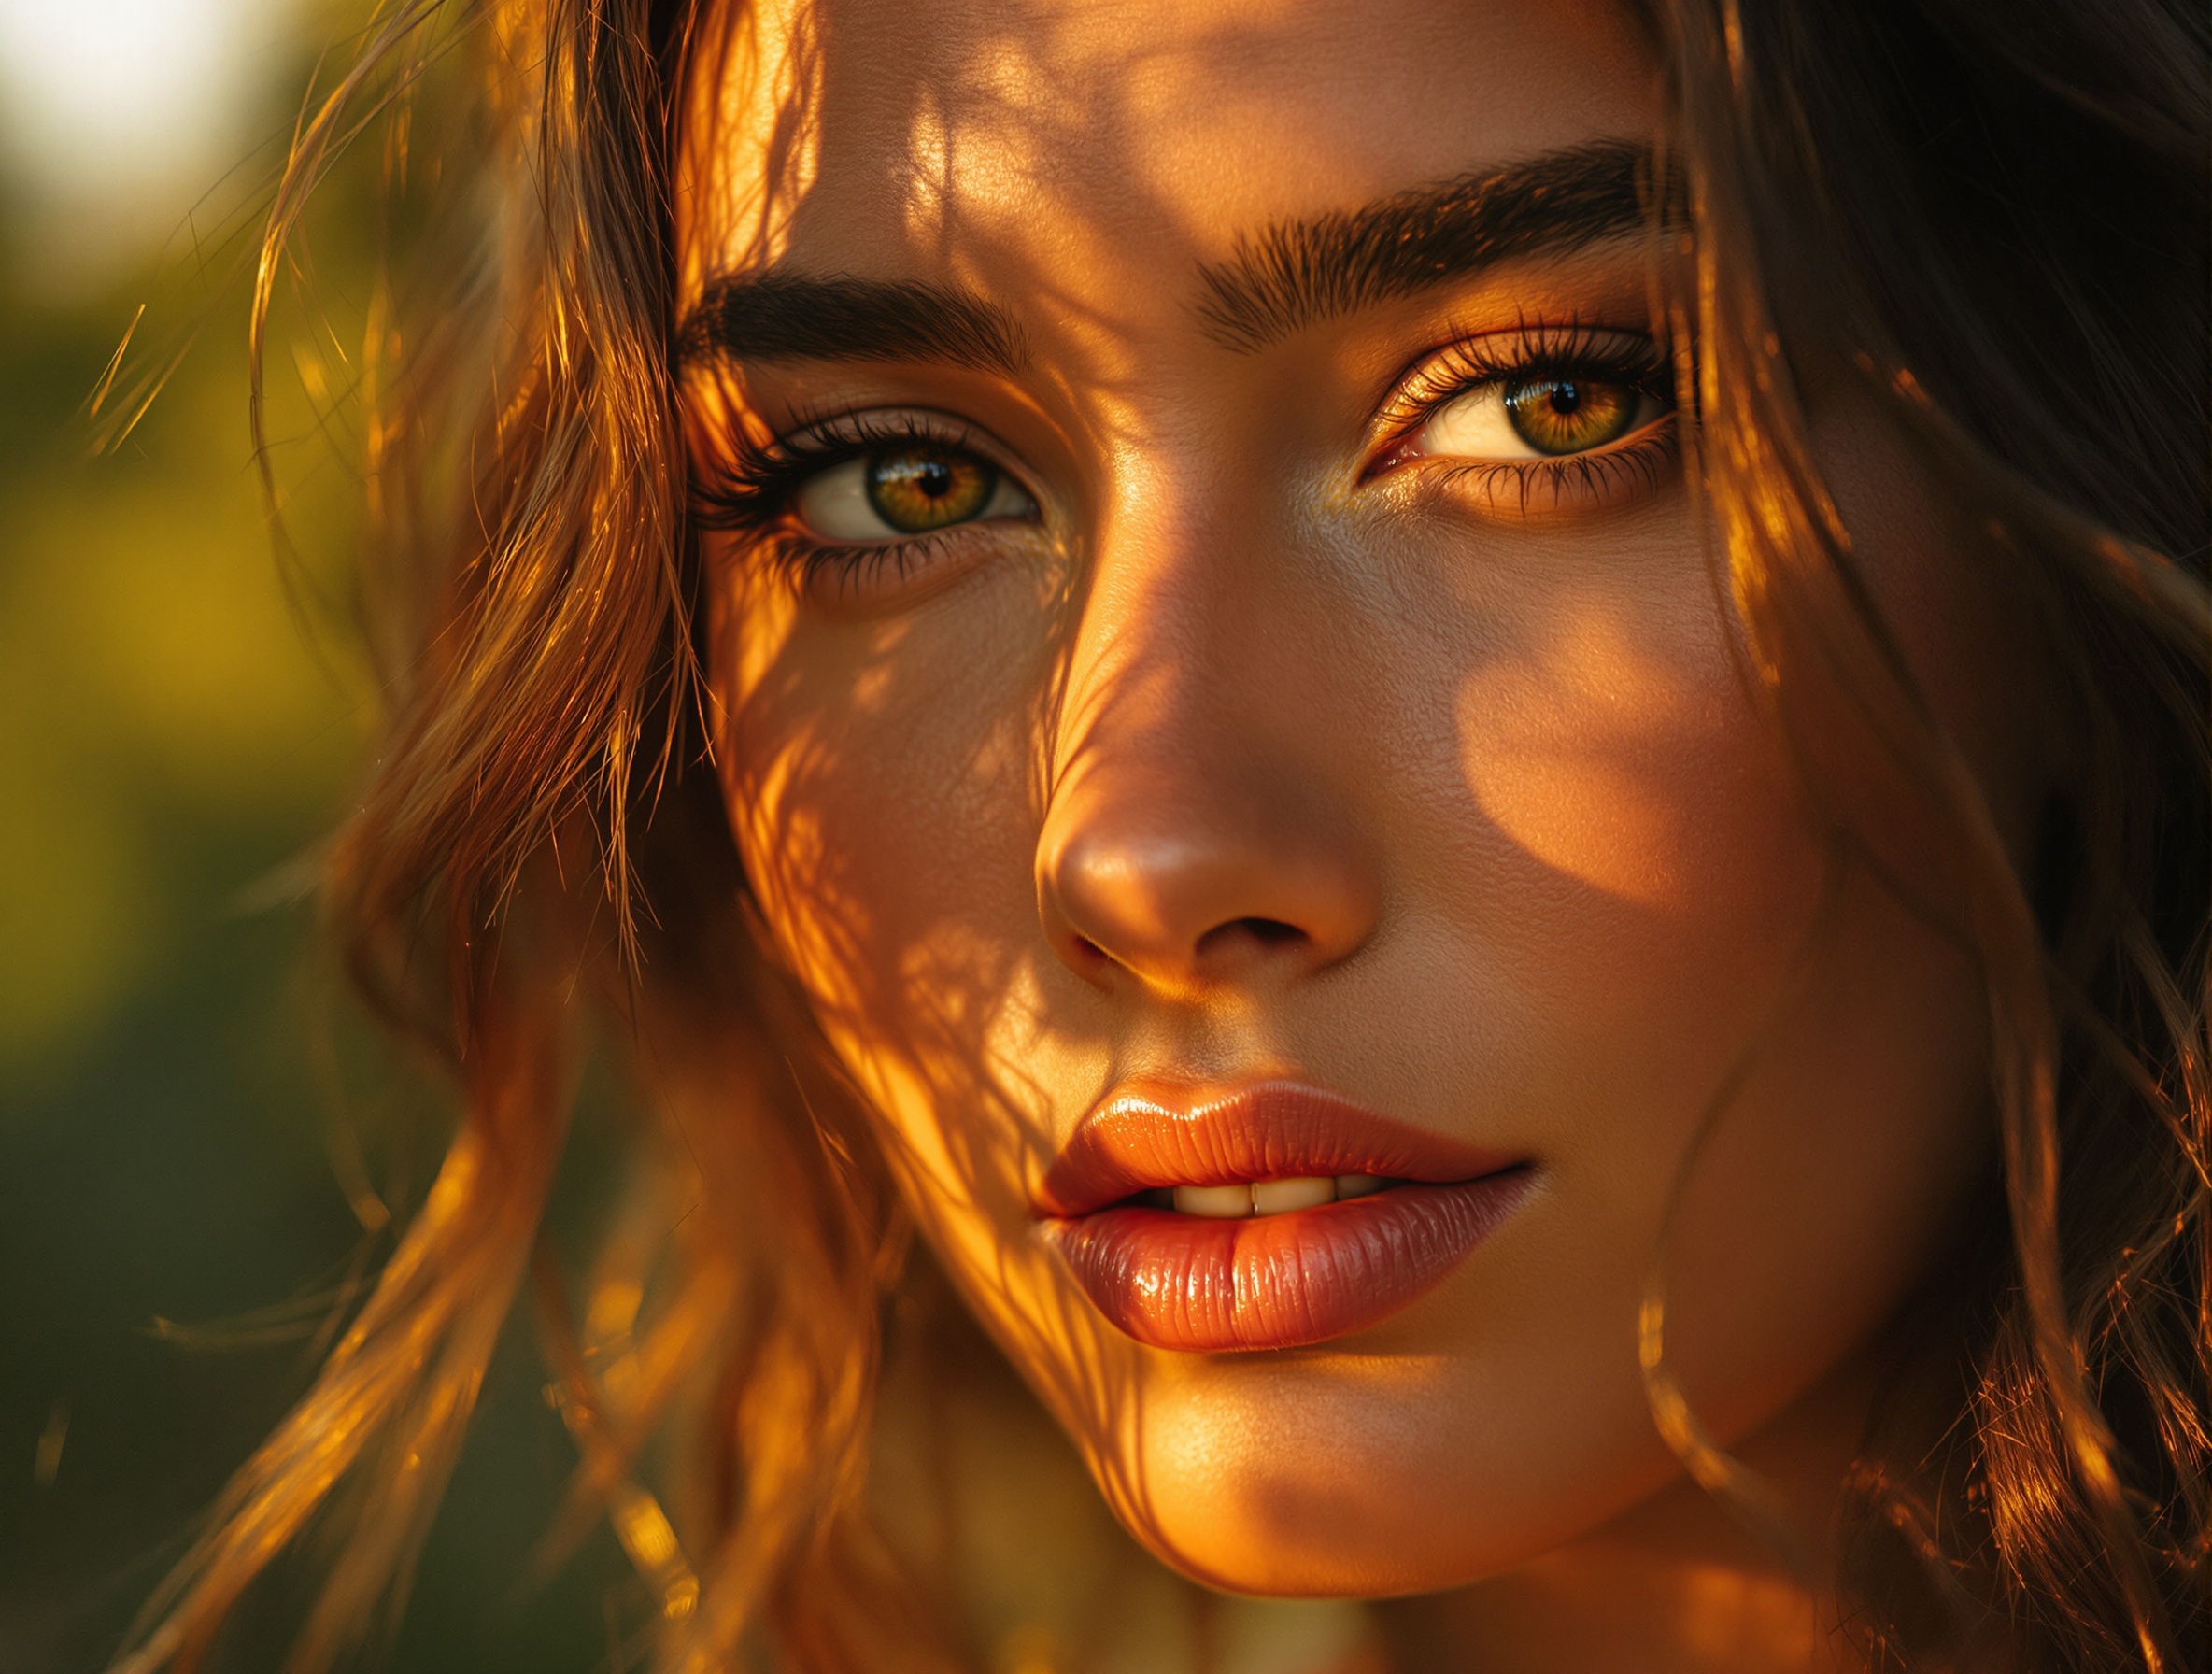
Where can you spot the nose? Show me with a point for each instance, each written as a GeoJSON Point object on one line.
{"type": "Point", "coordinates": [1196, 835]}
{"type": "Point", "coordinates": [1186, 892]}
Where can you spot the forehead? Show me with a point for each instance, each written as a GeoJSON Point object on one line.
{"type": "Point", "coordinates": [1094, 150]}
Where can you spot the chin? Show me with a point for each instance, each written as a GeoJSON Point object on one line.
{"type": "Point", "coordinates": [1274, 1539]}
{"type": "Point", "coordinates": [1331, 1493]}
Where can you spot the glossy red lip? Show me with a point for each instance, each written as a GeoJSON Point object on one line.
{"type": "Point", "coordinates": [1183, 1281]}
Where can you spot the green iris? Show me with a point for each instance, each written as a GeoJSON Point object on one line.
{"type": "Point", "coordinates": [1569, 415]}
{"type": "Point", "coordinates": [917, 489]}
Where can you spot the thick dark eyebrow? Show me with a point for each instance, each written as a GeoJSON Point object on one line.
{"type": "Point", "coordinates": [776, 316]}
{"type": "Point", "coordinates": [1296, 273]}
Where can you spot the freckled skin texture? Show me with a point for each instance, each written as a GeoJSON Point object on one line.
{"type": "Point", "coordinates": [1009, 818]}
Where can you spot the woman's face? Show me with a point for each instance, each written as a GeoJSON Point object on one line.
{"type": "Point", "coordinates": [1225, 707]}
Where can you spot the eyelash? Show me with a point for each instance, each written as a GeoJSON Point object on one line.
{"type": "Point", "coordinates": [753, 490]}
{"type": "Point", "coordinates": [1529, 351]}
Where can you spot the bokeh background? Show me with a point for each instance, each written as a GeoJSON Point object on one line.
{"type": "Point", "coordinates": [180, 717]}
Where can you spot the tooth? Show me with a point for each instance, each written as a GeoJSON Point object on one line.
{"type": "Point", "coordinates": [1356, 1185]}
{"type": "Point", "coordinates": [1274, 1197]}
{"type": "Point", "coordinates": [1216, 1202]}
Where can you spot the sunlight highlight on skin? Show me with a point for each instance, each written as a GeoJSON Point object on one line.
{"type": "Point", "coordinates": [1568, 750]}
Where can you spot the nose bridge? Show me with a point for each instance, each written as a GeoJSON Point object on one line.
{"type": "Point", "coordinates": [1195, 831]}
{"type": "Point", "coordinates": [1148, 644]}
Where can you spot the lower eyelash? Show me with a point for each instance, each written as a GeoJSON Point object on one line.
{"type": "Point", "coordinates": [1640, 465]}
{"type": "Point", "coordinates": [806, 563]}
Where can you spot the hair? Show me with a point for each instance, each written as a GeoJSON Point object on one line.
{"type": "Point", "coordinates": [1993, 215]}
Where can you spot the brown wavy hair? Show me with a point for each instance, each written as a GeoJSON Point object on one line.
{"type": "Point", "coordinates": [1994, 214]}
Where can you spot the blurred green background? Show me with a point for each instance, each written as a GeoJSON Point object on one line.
{"type": "Point", "coordinates": [177, 727]}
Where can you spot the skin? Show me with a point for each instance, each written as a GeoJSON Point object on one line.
{"type": "Point", "coordinates": [1009, 818]}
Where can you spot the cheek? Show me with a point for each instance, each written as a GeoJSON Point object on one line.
{"type": "Point", "coordinates": [1675, 976]}
{"type": "Point", "coordinates": [1842, 1171]}
{"type": "Point", "coordinates": [1832, 1182]}
{"type": "Point", "coordinates": [879, 777]}
{"type": "Point", "coordinates": [1623, 768]}
{"type": "Point", "coordinates": [1620, 849]}
{"type": "Point", "coordinates": [850, 756]}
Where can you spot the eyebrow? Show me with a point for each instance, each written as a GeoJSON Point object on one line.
{"type": "Point", "coordinates": [1296, 274]}
{"type": "Point", "coordinates": [780, 316]}
{"type": "Point", "coordinates": [1292, 275]}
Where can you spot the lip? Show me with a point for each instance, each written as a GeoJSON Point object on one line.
{"type": "Point", "coordinates": [1183, 1282]}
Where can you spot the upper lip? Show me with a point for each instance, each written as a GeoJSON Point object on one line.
{"type": "Point", "coordinates": [1148, 1134]}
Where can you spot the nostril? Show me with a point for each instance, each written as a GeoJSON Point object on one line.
{"type": "Point", "coordinates": [1263, 932]}
{"type": "Point", "coordinates": [1089, 956]}
{"type": "Point", "coordinates": [1268, 895]}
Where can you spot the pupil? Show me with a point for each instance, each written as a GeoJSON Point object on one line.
{"type": "Point", "coordinates": [915, 491]}
{"type": "Point", "coordinates": [1565, 399]}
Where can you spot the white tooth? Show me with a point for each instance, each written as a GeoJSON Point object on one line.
{"type": "Point", "coordinates": [1216, 1202]}
{"type": "Point", "coordinates": [1356, 1185]}
{"type": "Point", "coordinates": [1274, 1197]}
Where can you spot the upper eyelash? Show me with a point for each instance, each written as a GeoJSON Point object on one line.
{"type": "Point", "coordinates": [1443, 374]}
{"type": "Point", "coordinates": [755, 485]}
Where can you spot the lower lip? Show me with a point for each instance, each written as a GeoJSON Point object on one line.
{"type": "Point", "coordinates": [1275, 1281]}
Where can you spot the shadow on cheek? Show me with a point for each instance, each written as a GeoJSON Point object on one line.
{"type": "Point", "coordinates": [924, 1022]}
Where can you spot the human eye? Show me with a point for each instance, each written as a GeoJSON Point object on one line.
{"type": "Point", "coordinates": [1537, 418]}
{"type": "Point", "coordinates": [855, 506]}
{"type": "Point", "coordinates": [896, 493]}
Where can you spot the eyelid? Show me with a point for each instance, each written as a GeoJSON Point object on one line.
{"type": "Point", "coordinates": [819, 443]}
{"type": "Point", "coordinates": [1451, 369]}
{"type": "Point", "coordinates": [754, 490]}
{"type": "Point", "coordinates": [755, 482]}
{"type": "Point", "coordinates": [1614, 473]}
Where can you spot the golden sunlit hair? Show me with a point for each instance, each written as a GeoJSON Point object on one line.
{"type": "Point", "coordinates": [1994, 215]}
